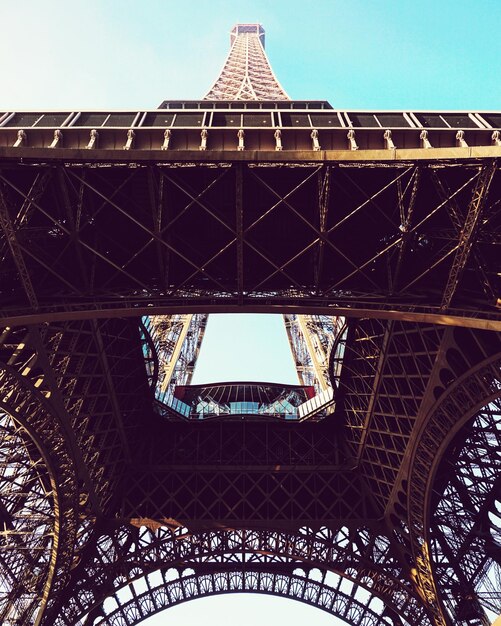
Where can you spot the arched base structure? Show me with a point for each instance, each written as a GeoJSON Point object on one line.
{"type": "Point", "coordinates": [28, 522]}
{"type": "Point", "coordinates": [165, 589]}
{"type": "Point", "coordinates": [465, 526]}
{"type": "Point", "coordinates": [453, 548]}
{"type": "Point", "coordinates": [361, 560]}
{"type": "Point", "coordinates": [405, 392]}
{"type": "Point", "coordinates": [39, 491]}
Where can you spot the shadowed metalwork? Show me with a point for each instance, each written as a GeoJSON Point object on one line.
{"type": "Point", "coordinates": [372, 490]}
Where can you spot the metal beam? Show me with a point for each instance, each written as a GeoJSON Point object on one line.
{"type": "Point", "coordinates": [17, 255]}
{"type": "Point", "coordinates": [468, 232]}
{"type": "Point", "coordinates": [239, 214]}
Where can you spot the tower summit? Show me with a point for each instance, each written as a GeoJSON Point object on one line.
{"type": "Point", "coordinates": [246, 73]}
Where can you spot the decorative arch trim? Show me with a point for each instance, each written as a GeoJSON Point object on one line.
{"type": "Point", "coordinates": [162, 593]}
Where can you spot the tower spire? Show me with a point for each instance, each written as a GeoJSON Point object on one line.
{"type": "Point", "coordinates": [247, 73]}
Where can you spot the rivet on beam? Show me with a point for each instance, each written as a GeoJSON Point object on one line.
{"type": "Point", "coordinates": [167, 134]}
{"type": "Point", "coordinates": [314, 140]}
{"type": "Point", "coordinates": [94, 135]}
{"type": "Point", "coordinates": [425, 142]}
{"type": "Point", "coordinates": [496, 138]}
{"type": "Point", "coordinates": [241, 135]}
{"type": "Point", "coordinates": [21, 139]}
{"type": "Point", "coordinates": [388, 141]}
{"type": "Point", "coordinates": [130, 139]}
{"type": "Point", "coordinates": [278, 139]}
{"type": "Point", "coordinates": [352, 143]}
{"type": "Point", "coordinates": [58, 139]}
{"type": "Point", "coordinates": [460, 140]}
{"type": "Point", "coordinates": [203, 139]}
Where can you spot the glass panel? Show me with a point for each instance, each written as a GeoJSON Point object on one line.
{"type": "Point", "coordinates": [52, 119]}
{"type": "Point", "coordinates": [322, 120]}
{"type": "Point", "coordinates": [226, 119]}
{"type": "Point", "coordinates": [459, 120]}
{"type": "Point", "coordinates": [262, 399]}
{"type": "Point", "coordinates": [158, 119]}
{"type": "Point", "coordinates": [363, 119]}
{"type": "Point", "coordinates": [120, 119]}
{"type": "Point", "coordinates": [23, 119]}
{"type": "Point", "coordinates": [189, 119]}
{"type": "Point", "coordinates": [493, 119]}
{"type": "Point", "coordinates": [257, 119]}
{"type": "Point", "coordinates": [91, 119]}
{"type": "Point", "coordinates": [296, 120]}
{"type": "Point", "coordinates": [431, 120]}
{"type": "Point", "coordinates": [392, 120]}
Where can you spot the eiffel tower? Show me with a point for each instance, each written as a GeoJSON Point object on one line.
{"type": "Point", "coordinates": [371, 489]}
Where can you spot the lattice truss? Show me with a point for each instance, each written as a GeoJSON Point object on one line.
{"type": "Point", "coordinates": [387, 237]}
{"type": "Point", "coordinates": [246, 73]}
{"type": "Point", "coordinates": [27, 522]}
{"type": "Point", "coordinates": [407, 378]}
{"type": "Point", "coordinates": [384, 513]}
{"type": "Point", "coordinates": [150, 569]}
{"type": "Point", "coordinates": [466, 523]}
{"type": "Point", "coordinates": [172, 345]}
{"type": "Point", "coordinates": [81, 390]}
{"type": "Point", "coordinates": [82, 382]}
{"type": "Point", "coordinates": [311, 338]}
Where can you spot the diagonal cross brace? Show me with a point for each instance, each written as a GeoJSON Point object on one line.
{"type": "Point", "coordinates": [17, 255]}
{"type": "Point", "coordinates": [468, 231]}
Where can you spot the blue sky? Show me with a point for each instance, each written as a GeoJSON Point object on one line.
{"type": "Point", "coordinates": [355, 53]}
{"type": "Point", "coordinates": [359, 54]}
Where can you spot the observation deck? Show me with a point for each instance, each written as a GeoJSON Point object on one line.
{"type": "Point", "coordinates": [237, 130]}
{"type": "Point", "coordinates": [246, 400]}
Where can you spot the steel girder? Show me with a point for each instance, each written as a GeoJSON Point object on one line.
{"type": "Point", "coordinates": [39, 488]}
{"type": "Point", "coordinates": [457, 368]}
{"type": "Point", "coordinates": [465, 522]}
{"type": "Point", "coordinates": [171, 345]}
{"type": "Point", "coordinates": [91, 245]}
{"type": "Point", "coordinates": [404, 393]}
{"type": "Point", "coordinates": [311, 338]}
{"type": "Point", "coordinates": [459, 574]}
{"type": "Point", "coordinates": [305, 565]}
{"type": "Point", "coordinates": [61, 409]}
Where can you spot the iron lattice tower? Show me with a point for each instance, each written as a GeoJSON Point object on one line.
{"type": "Point", "coordinates": [125, 490]}
{"type": "Point", "coordinates": [247, 73]}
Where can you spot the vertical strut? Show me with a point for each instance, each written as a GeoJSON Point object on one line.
{"type": "Point", "coordinates": [15, 248]}
{"type": "Point", "coordinates": [240, 228]}
{"type": "Point", "coordinates": [468, 231]}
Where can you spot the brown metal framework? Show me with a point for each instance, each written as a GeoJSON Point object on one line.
{"type": "Point", "coordinates": [385, 512]}
{"type": "Point", "coordinates": [247, 73]}
{"type": "Point", "coordinates": [81, 239]}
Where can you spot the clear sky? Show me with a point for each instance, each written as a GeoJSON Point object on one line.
{"type": "Point", "coordinates": [358, 54]}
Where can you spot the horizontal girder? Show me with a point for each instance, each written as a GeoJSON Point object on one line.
{"type": "Point", "coordinates": [91, 244]}
{"type": "Point", "coordinates": [240, 128]}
